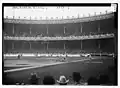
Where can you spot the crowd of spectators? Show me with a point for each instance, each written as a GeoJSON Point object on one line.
{"type": "Point", "coordinates": [75, 79]}
{"type": "Point", "coordinates": [62, 54]}
{"type": "Point", "coordinates": [58, 37]}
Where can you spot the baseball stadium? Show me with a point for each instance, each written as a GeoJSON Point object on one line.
{"type": "Point", "coordinates": [76, 50]}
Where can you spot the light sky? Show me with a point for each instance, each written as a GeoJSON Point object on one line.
{"type": "Point", "coordinates": [37, 12]}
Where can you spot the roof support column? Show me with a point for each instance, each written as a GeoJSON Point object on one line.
{"type": "Point", "coordinates": [81, 45]}
{"type": "Point", "coordinates": [12, 45]}
{"type": "Point", "coordinates": [13, 29]}
{"type": "Point", "coordinates": [81, 28]}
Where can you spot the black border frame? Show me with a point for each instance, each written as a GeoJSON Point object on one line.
{"type": "Point", "coordinates": [65, 4]}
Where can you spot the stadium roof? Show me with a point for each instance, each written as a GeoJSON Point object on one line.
{"type": "Point", "coordinates": [43, 12]}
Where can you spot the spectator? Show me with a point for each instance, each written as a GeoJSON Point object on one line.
{"type": "Point", "coordinates": [62, 80]}
{"type": "Point", "coordinates": [20, 83]}
{"type": "Point", "coordinates": [8, 80]}
{"type": "Point", "coordinates": [103, 79]}
{"type": "Point", "coordinates": [48, 80]}
{"type": "Point", "coordinates": [34, 79]}
{"type": "Point", "coordinates": [17, 83]}
{"type": "Point", "coordinates": [76, 77]}
{"type": "Point", "coordinates": [93, 81]}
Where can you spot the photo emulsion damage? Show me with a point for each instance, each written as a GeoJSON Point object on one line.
{"type": "Point", "coordinates": [59, 45]}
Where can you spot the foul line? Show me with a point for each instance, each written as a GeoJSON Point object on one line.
{"type": "Point", "coordinates": [26, 68]}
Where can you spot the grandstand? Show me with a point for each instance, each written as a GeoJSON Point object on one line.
{"type": "Point", "coordinates": [41, 42]}
{"type": "Point", "coordinates": [29, 30]}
